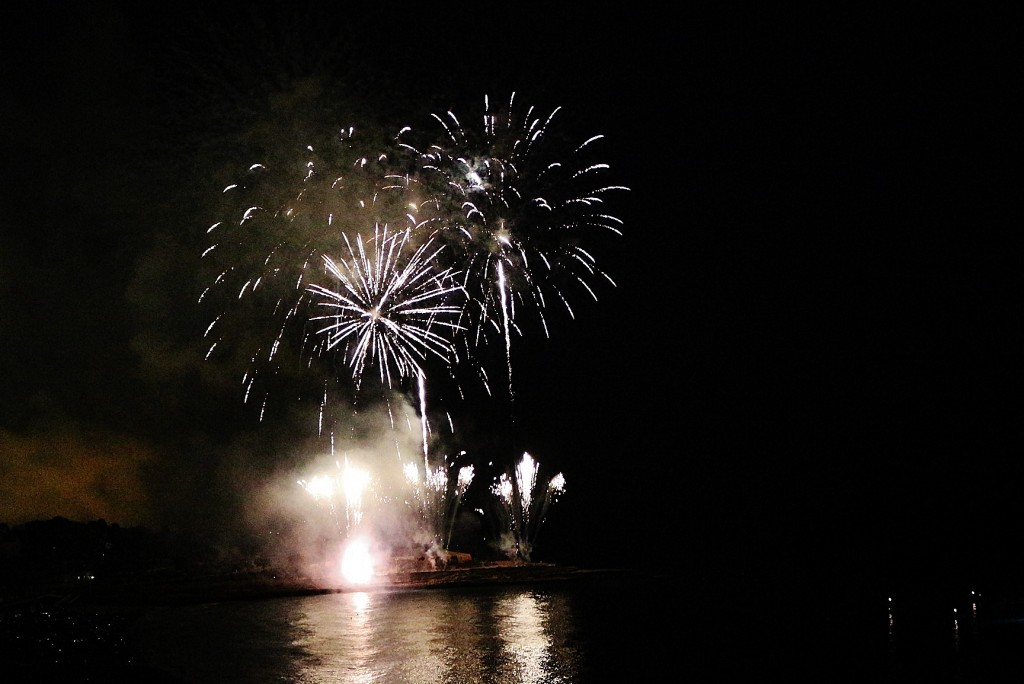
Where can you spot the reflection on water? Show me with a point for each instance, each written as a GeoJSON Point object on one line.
{"type": "Point", "coordinates": [526, 624]}
{"type": "Point", "coordinates": [334, 637]}
{"type": "Point", "coordinates": [955, 616]}
{"type": "Point", "coordinates": [498, 635]}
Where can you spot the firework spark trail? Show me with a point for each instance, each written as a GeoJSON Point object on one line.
{"type": "Point", "coordinates": [556, 486]}
{"type": "Point", "coordinates": [423, 418]}
{"type": "Point", "coordinates": [526, 479]}
{"type": "Point", "coordinates": [385, 309]}
{"type": "Point", "coordinates": [465, 478]}
{"type": "Point", "coordinates": [354, 483]}
{"type": "Point", "coordinates": [505, 319]}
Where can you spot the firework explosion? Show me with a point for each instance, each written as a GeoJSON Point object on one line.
{"type": "Point", "coordinates": [388, 309]}
{"type": "Point", "coordinates": [513, 210]}
{"type": "Point", "coordinates": [489, 221]}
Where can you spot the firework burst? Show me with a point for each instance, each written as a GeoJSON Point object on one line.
{"type": "Point", "coordinates": [388, 306]}
{"type": "Point", "coordinates": [514, 211]}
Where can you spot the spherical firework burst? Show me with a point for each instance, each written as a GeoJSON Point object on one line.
{"type": "Point", "coordinates": [388, 306]}
{"type": "Point", "coordinates": [515, 206]}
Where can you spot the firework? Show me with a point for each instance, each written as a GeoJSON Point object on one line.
{"type": "Point", "coordinates": [524, 504]}
{"type": "Point", "coordinates": [351, 481]}
{"type": "Point", "coordinates": [462, 482]}
{"type": "Point", "coordinates": [509, 204]}
{"type": "Point", "coordinates": [437, 499]}
{"type": "Point", "coordinates": [388, 306]}
{"type": "Point", "coordinates": [513, 210]}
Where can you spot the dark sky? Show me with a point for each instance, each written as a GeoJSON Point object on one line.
{"type": "Point", "coordinates": [810, 353]}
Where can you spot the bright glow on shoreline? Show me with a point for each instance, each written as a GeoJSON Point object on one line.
{"type": "Point", "coordinates": [356, 563]}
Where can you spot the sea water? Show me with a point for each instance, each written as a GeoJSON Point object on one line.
{"type": "Point", "coordinates": [621, 627]}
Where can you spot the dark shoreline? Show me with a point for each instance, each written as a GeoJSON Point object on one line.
{"type": "Point", "coordinates": [152, 592]}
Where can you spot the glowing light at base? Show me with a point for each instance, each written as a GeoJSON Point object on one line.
{"type": "Point", "coordinates": [357, 563]}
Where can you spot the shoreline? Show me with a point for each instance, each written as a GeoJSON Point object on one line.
{"type": "Point", "coordinates": [182, 591]}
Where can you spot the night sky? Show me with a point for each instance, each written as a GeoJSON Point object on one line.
{"type": "Point", "coordinates": [808, 360]}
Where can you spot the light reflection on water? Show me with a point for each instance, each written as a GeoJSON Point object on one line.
{"type": "Point", "coordinates": [497, 635]}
